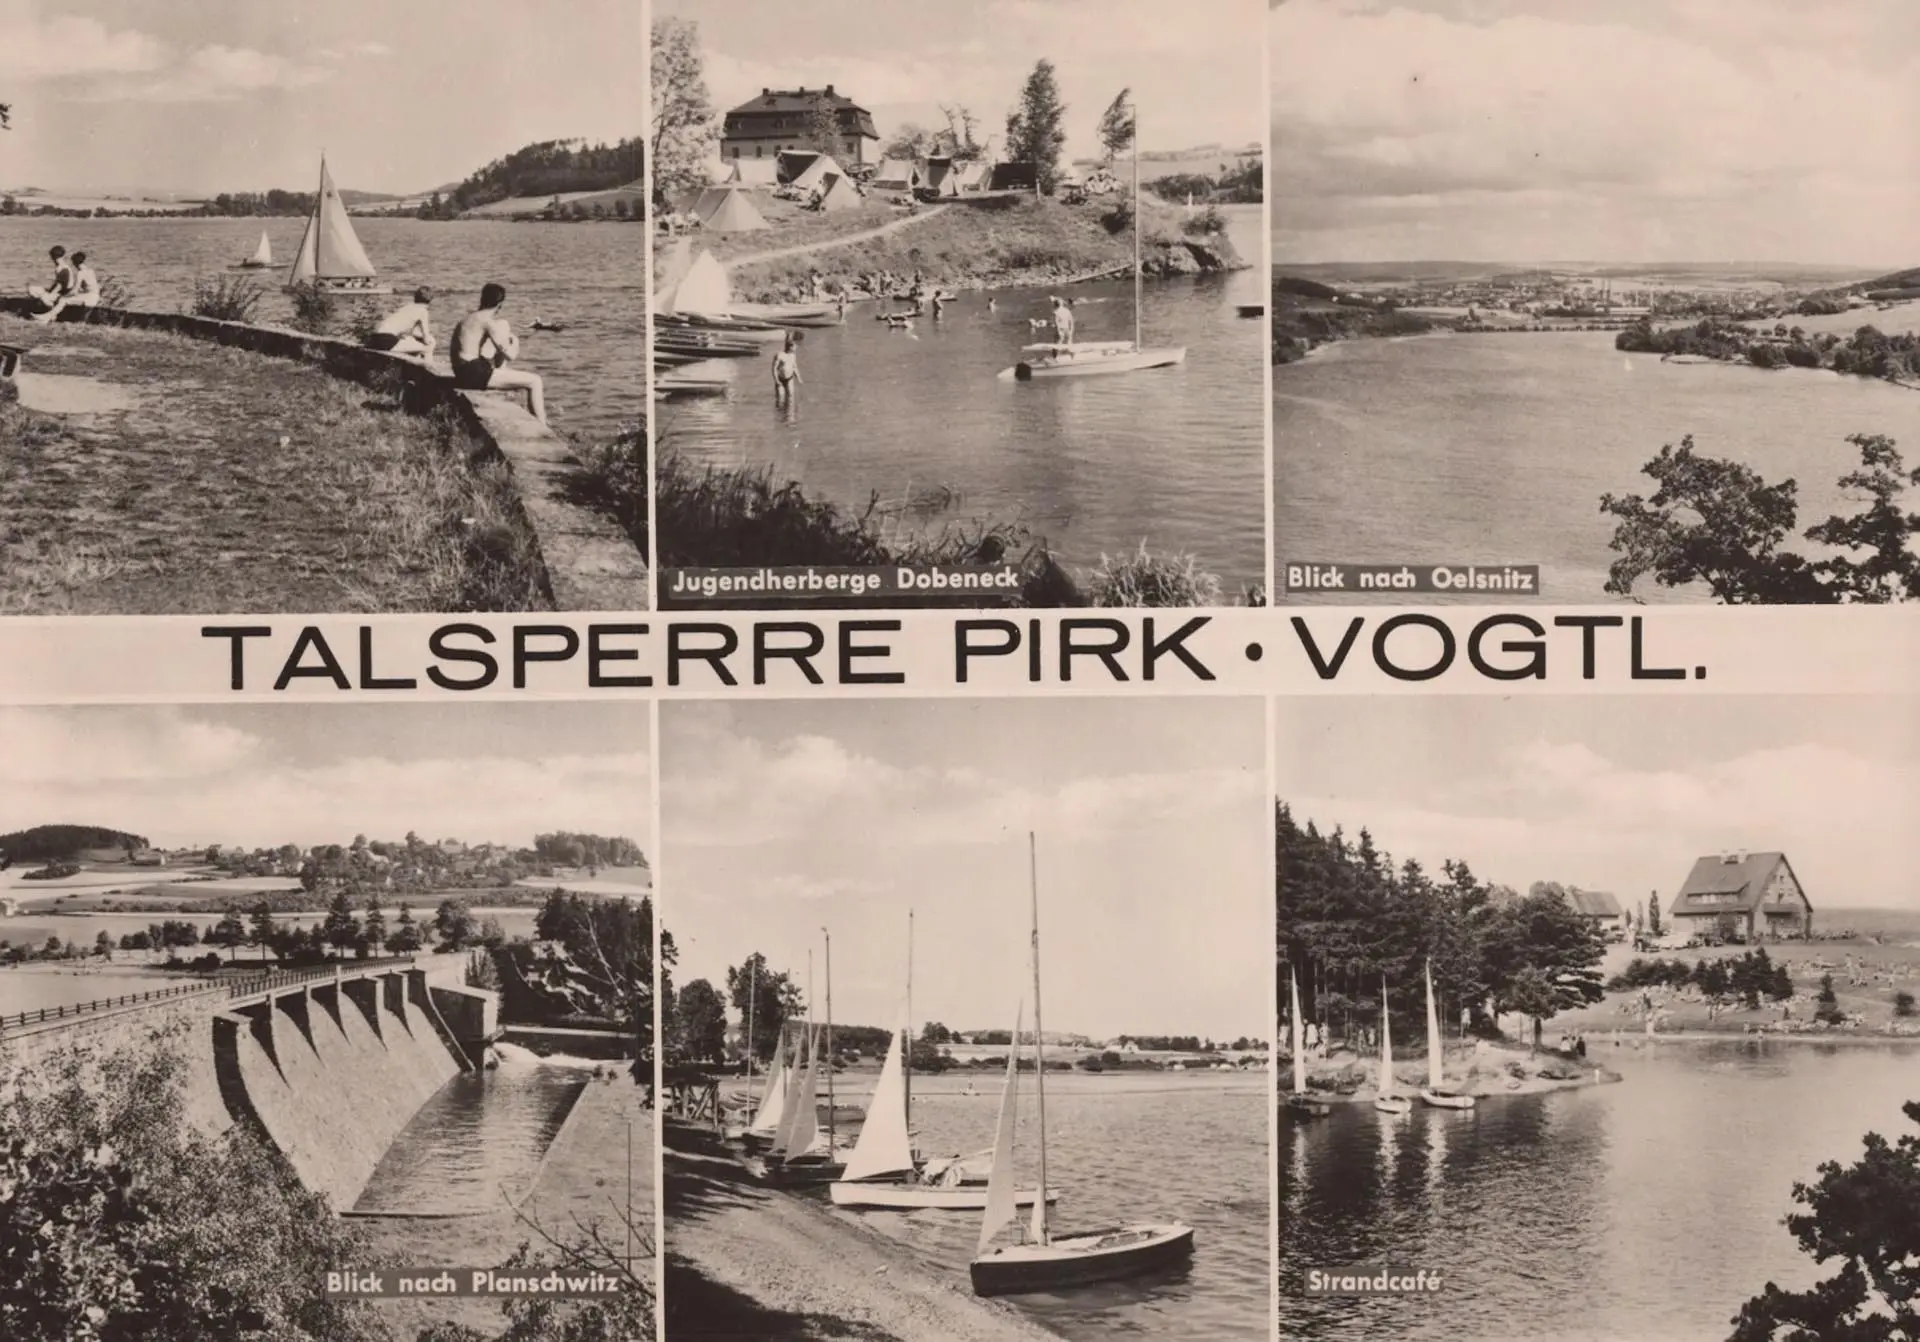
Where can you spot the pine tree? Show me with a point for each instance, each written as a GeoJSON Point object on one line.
{"type": "Point", "coordinates": [1036, 131]}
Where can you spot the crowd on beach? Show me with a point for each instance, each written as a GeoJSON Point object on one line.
{"type": "Point", "coordinates": [74, 285]}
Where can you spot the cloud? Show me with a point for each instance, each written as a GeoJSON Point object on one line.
{"type": "Point", "coordinates": [181, 780]}
{"type": "Point", "coordinates": [212, 74]}
{"type": "Point", "coordinates": [1640, 110]}
{"type": "Point", "coordinates": [62, 46]}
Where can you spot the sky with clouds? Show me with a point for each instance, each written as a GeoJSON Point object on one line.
{"type": "Point", "coordinates": [1195, 81]}
{"type": "Point", "coordinates": [1155, 857]}
{"type": "Point", "coordinates": [1634, 130]}
{"type": "Point", "coordinates": [1618, 794]}
{"type": "Point", "coordinates": [236, 95]}
{"type": "Point", "coordinates": [267, 775]}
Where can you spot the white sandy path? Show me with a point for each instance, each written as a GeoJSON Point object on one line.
{"type": "Point", "coordinates": [865, 235]}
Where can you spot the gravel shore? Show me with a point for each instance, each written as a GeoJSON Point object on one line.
{"type": "Point", "coordinates": [745, 1261]}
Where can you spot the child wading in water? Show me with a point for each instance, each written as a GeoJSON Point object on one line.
{"type": "Point", "coordinates": [786, 370]}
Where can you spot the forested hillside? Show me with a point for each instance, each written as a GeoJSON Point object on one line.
{"type": "Point", "coordinates": [552, 168]}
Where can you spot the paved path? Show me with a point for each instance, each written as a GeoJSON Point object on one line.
{"type": "Point", "coordinates": [893, 226]}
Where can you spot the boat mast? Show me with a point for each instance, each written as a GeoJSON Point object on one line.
{"type": "Point", "coordinates": [906, 1044]}
{"type": "Point", "coordinates": [1136, 230]}
{"type": "Point", "coordinates": [751, 975]}
{"type": "Point", "coordinates": [830, 1129]}
{"type": "Point", "coordinates": [1039, 1058]}
{"type": "Point", "coordinates": [319, 220]}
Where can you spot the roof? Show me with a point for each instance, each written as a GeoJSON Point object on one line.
{"type": "Point", "coordinates": [800, 102]}
{"type": "Point", "coordinates": [1746, 875]}
{"type": "Point", "coordinates": [1593, 903]}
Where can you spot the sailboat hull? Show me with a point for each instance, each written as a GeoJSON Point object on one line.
{"type": "Point", "coordinates": [1081, 1259]}
{"type": "Point", "coordinates": [1306, 1106]}
{"type": "Point", "coordinates": [801, 1173]}
{"type": "Point", "coordinates": [1393, 1104]}
{"type": "Point", "coordinates": [1439, 1099]}
{"type": "Point", "coordinates": [341, 288]}
{"type": "Point", "coordinates": [1092, 361]}
{"type": "Point", "coordinates": [912, 1197]}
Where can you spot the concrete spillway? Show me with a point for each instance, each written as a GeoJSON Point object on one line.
{"type": "Point", "coordinates": [331, 1073]}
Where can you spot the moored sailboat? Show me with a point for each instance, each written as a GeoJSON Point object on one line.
{"type": "Point", "coordinates": [1042, 1260]}
{"type": "Point", "coordinates": [1084, 358]}
{"type": "Point", "coordinates": [1386, 1101]}
{"type": "Point", "coordinates": [330, 256]}
{"type": "Point", "coordinates": [1436, 1093]}
{"type": "Point", "coordinates": [1301, 1102]}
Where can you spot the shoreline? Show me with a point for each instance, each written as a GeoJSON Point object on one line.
{"type": "Point", "coordinates": [745, 1260]}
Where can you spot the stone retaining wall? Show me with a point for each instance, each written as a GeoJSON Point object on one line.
{"type": "Point", "coordinates": [588, 562]}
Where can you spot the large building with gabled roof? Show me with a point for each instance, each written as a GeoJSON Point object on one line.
{"type": "Point", "coordinates": [1756, 896]}
{"type": "Point", "coordinates": [783, 120]}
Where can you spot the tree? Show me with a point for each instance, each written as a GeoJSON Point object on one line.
{"type": "Point", "coordinates": [770, 1000]}
{"type": "Point", "coordinates": [229, 932]}
{"type": "Point", "coordinates": [453, 924]}
{"type": "Point", "coordinates": [699, 1024]}
{"type": "Point", "coordinates": [1720, 523]}
{"type": "Point", "coordinates": [1117, 125]}
{"type": "Point", "coordinates": [260, 926]}
{"type": "Point", "coordinates": [1868, 1216]}
{"type": "Point", "coordinates": [960, 141]}
{"type": "Point", "coordinates": [103, 944]}
{"type": "Point", "coordinates": [933, 1032]}
{"type": "Point", "coordinates": [822, 130]}
{"type": "Point", "coordinates": [406, 936]}
{"type": "Point", "coordinates": [340, 928]}
{"type": "Point", "coordinates": [1827, 1005]}
{"type": "Point", "coordinates": [1903, 1003]}
{"type": "Point", "coordinates": [910, 142]}
{"type": "Point", "coordinates": [1653, 914]}
{"type": "Point", "coordinates": [1036, 129]}
{"type": "Point", "coordinates": [6, 116]}
{"type": "Point", "coordinates": [683, 113]}
{"type": "Point", "coordinates": [374, 927]}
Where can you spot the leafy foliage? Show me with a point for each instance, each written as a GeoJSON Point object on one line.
{"type": "Point", "coordinates": [1720, 523]}
{"type": "Point", "coordinates": [776, 999]}
{"type": "Point", "coordinates": [1117, 125]}
{"type": "Point", "coordinates": [684, 123]}
{"type": "Point", "coordinates": [1036, 129]}
{"type": "Point", "coordinates": [551, 168]}
{"type": "Point", "coordinates": [47, 843]}
{"type": "Point", "coordinates": [227, 298]}
{"type": "Point", "coordinates": [699, 1024]}
{"type": "Point", "coordinates": [1867, 1215]}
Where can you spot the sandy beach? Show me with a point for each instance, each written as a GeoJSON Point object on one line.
{"type": "Point", "coordinates": [746, 1261]}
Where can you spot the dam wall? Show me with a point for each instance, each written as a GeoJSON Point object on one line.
{"type": "Point", "coordinates": [330, 1073]}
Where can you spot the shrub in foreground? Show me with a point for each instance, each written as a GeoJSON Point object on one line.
{"type": "Point", "coordinates": [227, 298]}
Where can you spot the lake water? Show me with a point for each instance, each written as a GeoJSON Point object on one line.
{"type": "Point", "coordinates": [1172, 457]}
{"type": "Point", "coordinates": [590, 278]}
{"type": "Point", "coordinates": [1120, 1148]}
{"type": "Point", "coordinates": [1495, 449]}
{"type": "Point", "coordinates": [480, 1135]}
{"type": "Point", "coordinates": [1649, 1210]}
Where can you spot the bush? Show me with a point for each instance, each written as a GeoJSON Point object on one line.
{"type": "Point", "coordinates": [1207, 221]}
{"type": "Point", "coordinates": [314, 309]}
{"type": "Point", "coordinates": [1903, 1004]}
{"type": "Point", "coordinates": [1144, 579]}
{"type": "Point", "coordinates": [228, 298]}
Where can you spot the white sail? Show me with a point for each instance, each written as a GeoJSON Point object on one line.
{"type": "Point", "coordinates": [1000, 1200]}
{"type": "Point", "coordinates": [1386, 1045]}
{"type": "Point", "coordinates": [773, 1104]}
{"type": "Point", "coordinates": [801, 1125]}
{"type": "Point", "coordinates": [1299, 1037]}
{"type": "Point", "coordinates": [330, 249]}
{"type": "Point", "coordinates": [704, 290]}
{"type": "Point", "coordinates": [884, 1146]}
{"type": "Point", "coordinates": [1433, 1035]}
{"type": "Point", "coordinates": [263, 254]}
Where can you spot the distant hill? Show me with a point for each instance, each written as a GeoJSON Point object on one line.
{"type": "Point", "coordinates": [365, 197]}
{"type": "Point", "coordinates": [52, 843]}
{"type": "Point", "coordinates": [1899, 279]}
{"type": "Point", "coordinates": [1293, 284]}
{"type": "Point", "coordinates": [552, 168]}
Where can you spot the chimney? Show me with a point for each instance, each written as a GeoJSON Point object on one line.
{"type": "Point", "coordinates": [766, 92]}
{"type": "Point", "coordinates": [829, 90]}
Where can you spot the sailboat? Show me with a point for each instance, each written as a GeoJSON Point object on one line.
{"type": "Point", "coordinates": [884, 1170]}
{"type": "Point", "coordinates": [1436, 1093]}
{"type": "Point", "coordinates": [262, 258]}
{"type": "Point", "coordinates": [764, 1126]}
{"type": "Point", "coordinates": [330, 255]}
{"type": "Point", "coordinates": [1386, 1101]}
{"type": "Point", "coordinates": [804, 1154]}
{"type": "Point", "coordinates": [1042, 1260]}
{"type": "Point", "coordinates": [1085, 358]}
{"type": "Point", "coordinates": [1302, 1101]}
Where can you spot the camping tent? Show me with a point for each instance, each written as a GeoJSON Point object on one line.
{"type": "Point", "coordinates": [837, 192]}
{"type": "Point", "coordinates": [793, 164]}
{"type": "Point", "coordinates": [727, 209]}
{"type": "Point", "coordinates": [815, 173]}
{"type": "Point", "coordinates": [972, 175]}
{"type": "Point", "coordinates": [896, 174]}
{"type": "Point", "coordinates": [943, 176]}
{"type": "Point", "coordinates": [754, 172]}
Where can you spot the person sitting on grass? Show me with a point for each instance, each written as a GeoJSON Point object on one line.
{"type": "Point", "coordinates": [53, 297]}
{"type": "Point", "coordinates": [786, 370]}
{"type": "Point", "coordinates": [408, 329]}
{"type": "Point", "coordinates": [482, 346]}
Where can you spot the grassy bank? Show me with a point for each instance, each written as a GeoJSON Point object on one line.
{"type": "Point", "coordinates": [746, 517]}
{"type": "Point", "coordinates": [168, 475]}
{"type": "Point", "coordinates": [978, 242]}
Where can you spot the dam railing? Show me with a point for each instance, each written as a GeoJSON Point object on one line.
{"type": "Point", "coordinates": [250, 986]}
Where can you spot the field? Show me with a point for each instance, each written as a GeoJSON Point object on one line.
{"type": "Point", "coordinates": [151, 473]}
